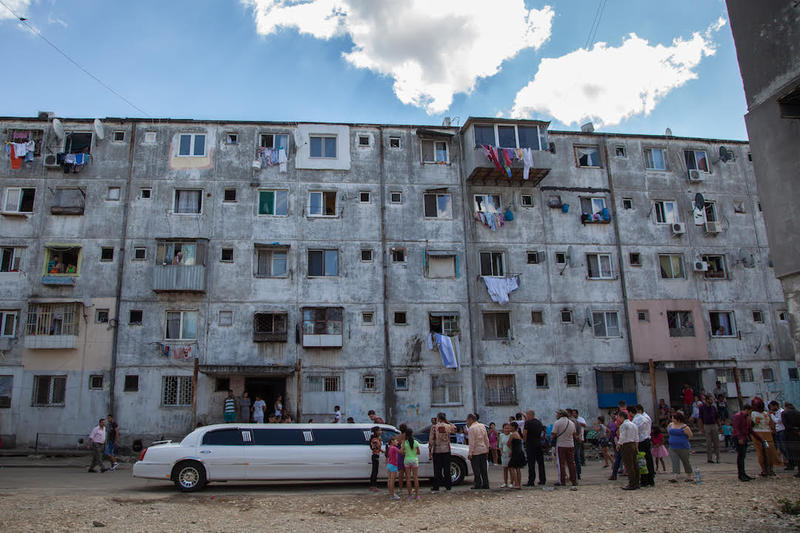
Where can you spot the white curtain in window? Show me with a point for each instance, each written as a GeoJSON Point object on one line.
{"type": "Point", "coordinates": [188, 201]}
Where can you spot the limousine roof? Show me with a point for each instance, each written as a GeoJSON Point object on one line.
{"type": "Point", "coordinates": [192, 437]}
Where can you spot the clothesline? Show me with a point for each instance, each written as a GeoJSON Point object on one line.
{"type": "Point", "coordinates": [273, 156]}
{"type": "Point", "coordinates": [502, 158]}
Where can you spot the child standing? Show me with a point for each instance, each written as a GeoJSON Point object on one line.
{"type": "Point", "coordinates": [505, 452]}
{"type": "Point", "coordinates": [727, 432]}
{"type": "Point", "coordinates": [460, 436]}
{"type": "Point", "coordinates": [493, 443]}
{"type": "Point", "coordinates": [393, 454]}
{"type": "Point", "coordinates": [411, 463]}
{"type": "Point", "coordinates": [659, 450]}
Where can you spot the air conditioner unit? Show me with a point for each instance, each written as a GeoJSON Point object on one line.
{"type": "Point", "coordinates": [678, 228]}
{"type": "Point", "coordinates": [51, 161]}
{"type": "Point", "coordinates": [713, 227]}
{"type": "Point", "coordinates": [701, 266]}
{"type": "Point", "coordinates": [694, 175]}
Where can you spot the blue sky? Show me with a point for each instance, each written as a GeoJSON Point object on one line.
{"type": "Point", "coordinates": [388, 62]}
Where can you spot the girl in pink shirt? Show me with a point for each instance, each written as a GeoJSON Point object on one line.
{"type": "Point", "coordinates": [392, 460]}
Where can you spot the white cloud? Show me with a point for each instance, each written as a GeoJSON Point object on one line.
{"type": "Point", "coordinates": [432, 49]}
{"type": "Point", "coordinates": [20, 7]}
{"type": "Point", "coordinates": [55, 20]}
{"type": "Point", "coordinates": [610, 84]}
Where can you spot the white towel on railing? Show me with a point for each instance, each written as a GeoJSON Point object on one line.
{"type": "Point", "coordinates": [499, 288]}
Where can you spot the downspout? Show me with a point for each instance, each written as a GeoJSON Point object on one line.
{"type": "Point", "coordinates": [388, 376]}
{"type": "Point", "coordinates": [120, 273]}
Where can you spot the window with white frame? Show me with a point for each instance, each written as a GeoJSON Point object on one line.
{"type": "Point", "coordinates": [593, 205]}
{"type": "Point", "coordinates": [486, 203]}
{"type": "Point", "coordinates": [394, 142]}
{"type": "Point", "coordinates": [501, 389]}
{"type": "Point", "coordinates": [396, 197]}
{"type": "Point", "coordinates": [716, 266]}
{"type": "Point", "coordinates": [710, 211]}
{"type": "Point", "coordinates": [572, 379]}
{"type": "Point", "coordinates": [366, 255]}
{"type": "Point", "coordinates": [323, 263]}
{"type": "Point", "coordinates": [587, 156]}
{"type": "Point", "coordinates": [10, 259]}
{"type": "Point", "coordinates": [368, 383]}
{"type": "Point", "coordinates": [192, 145]}
{"type": "Point", "coordinates": [150, 137]}
{"type": "Point", "coordinates": [722, 323]}
{"type": "Point", "coordinates": [225, 319]}
{"type": "Point", "coordinates": [443, 323]}
{"type": "Point", "coordinates": [273, 202]}
{"type": "Point", "coordinates": [671, 266]}
{"type": "Point", "coordinates": [49, 391]}
{"type": "Point", "coordinates": [188, 201]}
{"type": "Point", "coordinates": [599, 266]}
{"type": "Point", "coordinates": [438, 205]}
{"type": "Point", "coordinates": [496, 325]}
{"type": "Point", "coordinates": [322, 204]}
{"type": "Point", "coordinates": [434, 151]}
{"type": "Point", "coordinates": [401, 383]}
{"type": "Point", "coordinates": [492, 264]}
{"type": "Point", "coordinates": [322, 146]}
{"type": "Point", "coordinates": [680, 323]}
{"type": "Point", "coordinates": [767, 374]}
{"type": "Point", "coordinates": [19, 200]}
{"type": "Point", "coordinates": [666, 211]}
{"type": "Point", "coordinates": [271, 262]}
{"type": "Point", "coordinates": [274, 140]}
{"type": "Point", "coordinates": [323, 383]}
{"type": "Point", "coordinates": [511, 136]}
{"type": "Point", "coordinates": [606, 324]}
{"type": "Point", "coordinates": [52, 319]}
{"type": "Point", "coordinates": [655, 159]}
{"type": "Point", "coordinates": [696, 160]}
{"type": "Point", "coordinates": [446, 390]}
{"type": "Point", "coordinates": [181, 325]}
{"type": "Point", "coordinates": [8, 323]}
{"type": "Point", "coordinates": [176, 391]}
{"type": "Point", "coordinates": [96, 382]}
{"type": "Point", "coordinates": [323, 320]}
{"type": "Point", "coordinates": [746, 375]}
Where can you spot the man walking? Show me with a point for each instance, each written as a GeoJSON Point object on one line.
{"type": "Point", "coordinates": [112, 436]}
{"type": "Point", "coordinates": [628, 444]}
{"type": "Point", "coordinates": [97, 439]}
{"type": "Point", "coordinates": [742, 430]}
{"type": "Point", "coordinates": [577, 440]}
{"type": "Point", "coordinates": [564, 434]}
{"type": "Point", "coordinates": [229, 413]}
{"type": "Point", "coordinates": [644, 424]}
{"type": "Point", "coordinates": [478, 452]}
{"type": "Point", "coordinates": [532, 435]}
{"type": "Point", "coordinates": [439, 450]}
{"type": "Point", "coordinates": [709, 426]}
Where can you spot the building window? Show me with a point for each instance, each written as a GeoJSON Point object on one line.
{"type": "Point", "coordinates": [96, 382]}
{"type": "Point", "coordinates": [8, 323]}
{"type": "Point", "coordinates": [113, 194]}
{"type": "Point", "coordinates": [566, 316]}
{"type": "Point", "coordinates": [492, 264]}
{"type": "Point", "coordinates": [537, 317]}
{"type": "Point", "coordinates": [635, 259]}
{"type": "Point", "coordinates": [49, 391]}
{"type": "Point", "coordinates": [401, 383]}
{"type": "Point", "coordinates": [511, 136]}
{"type": "Point", "coordinates": [398, 255]}
{"type": "Point", "coordinates": [445, 390]}
{"type": "Point", "coordinates": [176, 391]}
{"type": "Point", "coordinates": [434, 152]}
{"type": "Point", "coordinates": [323, 263]}
{"type": "Point", "coordinates": [542, 381]}
{"type": "Point", "coordinates": [68, 201]}
{"type": "Point", "coordinates": [226, 255]}
{"type": "Point", "coordinates": [573, 379]}
{"type": "Point", "coordinates": [438, 205]}
{"type": "Point", "coordinates": [189, 201]}
{"type": "Point", "coordinates": [273, 202]}
{"type": "Point", "coordinates": [561, 258]}
{"type": "Point", "coordinates": [178, 253]}
{"type": "Point", "coordinates": [486, 203]}
{"type": "Point", "coordinates": [533, 258]}
{"type": "Point", "coordinates": [782, 316]}
{"type": "Point", "coordinates": [106, 254]}
{"type": "Point", "coordinates": [526, 200]}
{"type": "Point", "coordinates": [758, 317]}
{"type": "Point", "coordinates": [222, 384]}
{"type": "Point", "coordinates": [794, 374]}
{"type": "Point", "coordinates": [25, 135]}
{"type": "Point", "coordinates": [324, 384]}
{"type": "Point", "coordinates": [322, 146]}
{"type": "Point", "coordinates": [101, 316]}
{"type": "Point", "coordinates": [501, 389]}
{"type": "Point", "coordinates": [181, 325]}
{"type": "Point", "coordinates": [229, 195]}
{"type": "Point", "coordinates": [400, 318]}
{"type": "Point", "coordinates": [135, 317]}
{"type": "Point", "coordinates": [271, 263]}
{"type": "Point", "coordinates": [231, 138]}
{"type": "Point", "coordinates": [368, 384]}
{"type": "Point", "coordinates": [366, 255]}
{"type": "Point", "coordinates": [225, 318]}
{"type": "Point", "coordinates": [722, 323]}
{"type": "Point", "coordinates": [680, 323]}
{"type": "Point", "coordinates": [394, 142]}
{"type": "Point", "coordinates": [363, 197]}
{"type": "Point", "coordinates": [322, 320]}
{"type": "Point", "coordinates": [10, 259]}
{"type": "Point", "coordinates": [599, 266]}
{"type": "Point", "coordinates": [139, 253]}
{"type": "Point", "coordinates": [367, 317]}
{"type": "Point", "coordinates": [767, 374]}
{"type": "Point", "coordinates": [396, 197]}
{"type": "Point", "coordinates": [594, 207]}
{"type": "Point", "coordinates": [52, 319]}
{"type": "Point", "coordinates": [627, 203]}
{"type": "Point", "coordinates": [322, 203]}
{"type": "Point", "coordinates": [746, 375]}
{"type": "Point", "coordinates": [619, 151]}
{"type": "Point", "coordinates": [440, 266]}
{"type": "Point", "coordinates": [145, 194]}
{"type": "Point", "coordinates": [78, 142]}
{"type": "Point", "coordinates": [643, 315]}
{"type": "Point", "coordinates": [496, 326]}
{"type": "Point", "coordinates": [6, 384]}
{"type": "Point", "coordinates": [19, 200]}
{"type": "Point", "coordinates": [716, 267]}
{"type": "Point", "coordinates": [363, 140]}
{"type": "Point", "coordinates": [710, 211]}
{"type": "Point", "coordinates": [444, 324]}
{"type": "Point", "coordinates": [606, 324]}
{"type": "Point", "coordinates": [192, 145]}
{"type": "Point", "coordinates": [666, 211]}
{"type": "Point", "coordinates": [696, 160]}
{"type": "Point", "coordinates": [274, 140]}
{"type": "Point", "coordinates": [270, 327]}
{"type": "Point", "coordinates": [150, 137]}
{"type": "Point", "coordinates": [655, 159]}
{"type": "Point", "coordinates": [587, 156]}
{"type": "Point", "coordinates": [671, 266]}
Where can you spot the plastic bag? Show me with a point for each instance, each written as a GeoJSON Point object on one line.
{"type": "Point", "coordinates": [640, 460]}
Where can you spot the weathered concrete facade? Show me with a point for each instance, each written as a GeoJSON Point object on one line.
{"type": "Point", "coordinates": [318, 276]}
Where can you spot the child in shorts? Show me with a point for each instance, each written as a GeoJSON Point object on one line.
{"type": "Point", "coordinates": [393, 456]}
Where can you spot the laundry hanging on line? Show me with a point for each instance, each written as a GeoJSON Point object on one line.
{"type": "Point", "coordinates": [271, 157]}
{"type": "Point", "coordinates": [500, 287]}
{"type": "Point", "coordinates": [493, 221]}
{"type": "Point", "coordinates": [448, 348]}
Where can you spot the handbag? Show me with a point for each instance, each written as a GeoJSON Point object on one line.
{"type": "Point", "coordinates": [640, 460]}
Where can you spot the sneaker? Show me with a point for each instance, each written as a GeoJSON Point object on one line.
{"type": "Point", "coordinates": [395, 497]}
{"type": "Point", "coordinates": [114, 466]}
{"type": "Point", "coordinates": [503, 486]}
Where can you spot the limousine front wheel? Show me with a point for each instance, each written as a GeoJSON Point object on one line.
{"type": "Point", "coordinates": [189, 476]}
{"type": "Point", "coordinates": [458, 470]}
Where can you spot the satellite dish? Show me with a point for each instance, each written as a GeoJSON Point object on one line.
{"type": "Point", "coordinates": [725, 155]}
{"type": "Point", "coordinates": [98, 129]}
{"type": "Point", "coordinates": [699, 201]}
{"type": "Point", "coordinates": [58, 128]}
{"type": "Point", "coordinates": [668, 132]}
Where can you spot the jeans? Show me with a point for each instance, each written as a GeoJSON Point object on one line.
{"type": "Point", "coordinates": [617, 463]}
{"type": "Point", "coordinates": [741, 454]}
{"type": "Point", "coordinates": [780, 442]}
{"type": "Point", "coordinates": [536, 457]}
{"type": "Point", "coordinates": [650, 478]}
{"type": "Point", "coordinates": [712, 440]}
{"type": "Point", "coordinates": [373, 478]}
{"type": "Point", "coordinates": [631, 467]}
{"type": "Point", "coordinates": [566, 460]}
{"type": "Point", "coordinates": [480, 470]}
{"type": "Point", "coordinates": [577, 453]}
{"type": "Point", "coordinates": [441, 470]}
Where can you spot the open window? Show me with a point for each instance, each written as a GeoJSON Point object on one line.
{"type": "Point", "coordinates": [722, 324]}
{"type": "Point", "coordinates": [22, 136]}
{"type": "Point", "coordinates": [322, 327]}
{"type": "Point", "coordinates": [181, 253]}
{"type": "Point", "coordinates": [68, 201]}
{"type": "Point", "coordinates": [593, 209]}
{"type": "Point", "coordinates": [486, 203]}
{"type": "Point", "coordinates": [435, 151]}
{"type": "Point", "coordinates": [62, 261]}
{"type": "Point", "coordinates": [680, 323]}
{"type": "Point", "coordinates": [19, 200]}
{"type": "Point", "coordinates": [10, 259]}
{"type": "Point", "coordinates": [696, 160]}
{"type": "Point", "coordinates": [666, 211]}
{"type": "Point", "coordinates": [270, 327]}
{"type": "Point", "coordinates": [78, 142]}
{"type": "Point", "coordinates": [322, 204]}
{"type": "Point", "coordinates": [716, 267]}
{"type": "Point", "coordinates": [443, 323]}
{"type": "Point", "coordinates": [587, 156]}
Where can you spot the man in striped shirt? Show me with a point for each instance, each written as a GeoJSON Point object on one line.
{"type": "Point", "coordinates": [229, 415]}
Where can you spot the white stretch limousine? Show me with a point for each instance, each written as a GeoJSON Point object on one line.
{"type": "Point", "coordinates": [262, 452]}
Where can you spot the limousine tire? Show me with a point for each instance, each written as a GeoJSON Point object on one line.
{"type": "Point", "coordinates": [189, 476]}
{"type": "Point", "coordinates": [458, 470]}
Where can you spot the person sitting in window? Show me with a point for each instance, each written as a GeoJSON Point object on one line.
{"type": "Point", "coordinates": [178, 259]}
{"type": "Point", "coordinates": [54, 266]}
{"type": "Point", "coordinates": [70, 269]}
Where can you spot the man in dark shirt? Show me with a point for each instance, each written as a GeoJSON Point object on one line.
{"type": "Point", "coordinates": [532, 435]}
{"type": "Point", "coordinates": [742, 431]}
{"type": "Point", "coordinates": [791, 419]}
{"type": "Point", "coordinates": [708, 422]}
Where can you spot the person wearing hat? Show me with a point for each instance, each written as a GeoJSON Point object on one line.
{"type": "Point", "coordinates": [564, 434]}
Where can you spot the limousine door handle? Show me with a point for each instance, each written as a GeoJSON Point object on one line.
{"type": "Point", "coordinates": [205, 451]}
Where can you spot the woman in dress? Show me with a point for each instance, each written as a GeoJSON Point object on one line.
{"type": "Point", "coordinates": [517, 459]}
{"type": "Point", "coordinates": [602, 440]}
{"type": "Point", "coordinates": [659, 450]}
{"type": "Point", "coordinates": [245, 412]}
{"type": "Point", "coordinates": [505, 452]}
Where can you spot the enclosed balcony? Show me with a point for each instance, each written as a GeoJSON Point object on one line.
{"type": "Point", "coordinates": [52, 325]}
{"type": "Point", "coordinates": [180, 265]}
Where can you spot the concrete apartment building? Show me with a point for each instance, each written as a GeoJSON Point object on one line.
{"type": "Point", "coordinates": [312, 261]}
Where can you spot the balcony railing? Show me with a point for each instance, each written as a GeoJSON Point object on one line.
{"type": "Point", "coordinates": [50, 342]}
{"type": "Point", "coordinates": [190, 278]}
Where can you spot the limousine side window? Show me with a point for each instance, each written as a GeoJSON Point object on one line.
{"type": "Point", "coordinates": [278, 437]}
{"type": "Point", "coordinates": [226, 437]}
{"type": "Point", "coordinates": [388, 434]}
{"type": "Point", "coordinates": [338, 437]}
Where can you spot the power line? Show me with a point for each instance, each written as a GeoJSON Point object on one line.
{"type": "Point", "coordinates": [36, 32]}
{"type": "Point", "coordinates": [598, 14]}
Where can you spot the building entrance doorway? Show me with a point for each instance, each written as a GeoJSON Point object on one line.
{"type": "Point", "coordinates": [677, 379]}
{"type": "Point", "coordinates": [269, 389]}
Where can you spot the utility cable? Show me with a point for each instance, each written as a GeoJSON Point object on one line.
{"type": "Point", "coordinates": [598, 15]}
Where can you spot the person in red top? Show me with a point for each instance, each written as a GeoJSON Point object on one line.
{"type": "Point", "coordinates": [375, 418]}
{"type": "Point", "coordinates": [439, 450]}
{"type": "Point", "coordinates": [742, 431]}
{"type": "Point", "coordinates": [688, 400]}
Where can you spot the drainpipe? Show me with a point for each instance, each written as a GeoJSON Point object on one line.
{"type": "Point", "coordinates": [120, 273]}
{"type": "Point", "coordinates": [388, 376]}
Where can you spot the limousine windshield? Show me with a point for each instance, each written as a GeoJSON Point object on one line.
{"type": "Point", "coordinates": [291, 437]}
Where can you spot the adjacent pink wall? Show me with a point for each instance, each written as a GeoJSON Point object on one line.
{"type": "Point", "coordinates": [651, 339]}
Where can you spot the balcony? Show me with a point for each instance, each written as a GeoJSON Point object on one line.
{"type": "Point", "coordinates": [50, 342]}
{"type": "Point", "coordinates": [179, 278]}
{"type": "Point", "coordinates": [322, 341]}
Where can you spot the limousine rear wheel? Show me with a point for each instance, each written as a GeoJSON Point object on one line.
{"type": "Point", "coordinates": [458, 470]}
{"type": "Point", "coordinates": [189, 476]}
